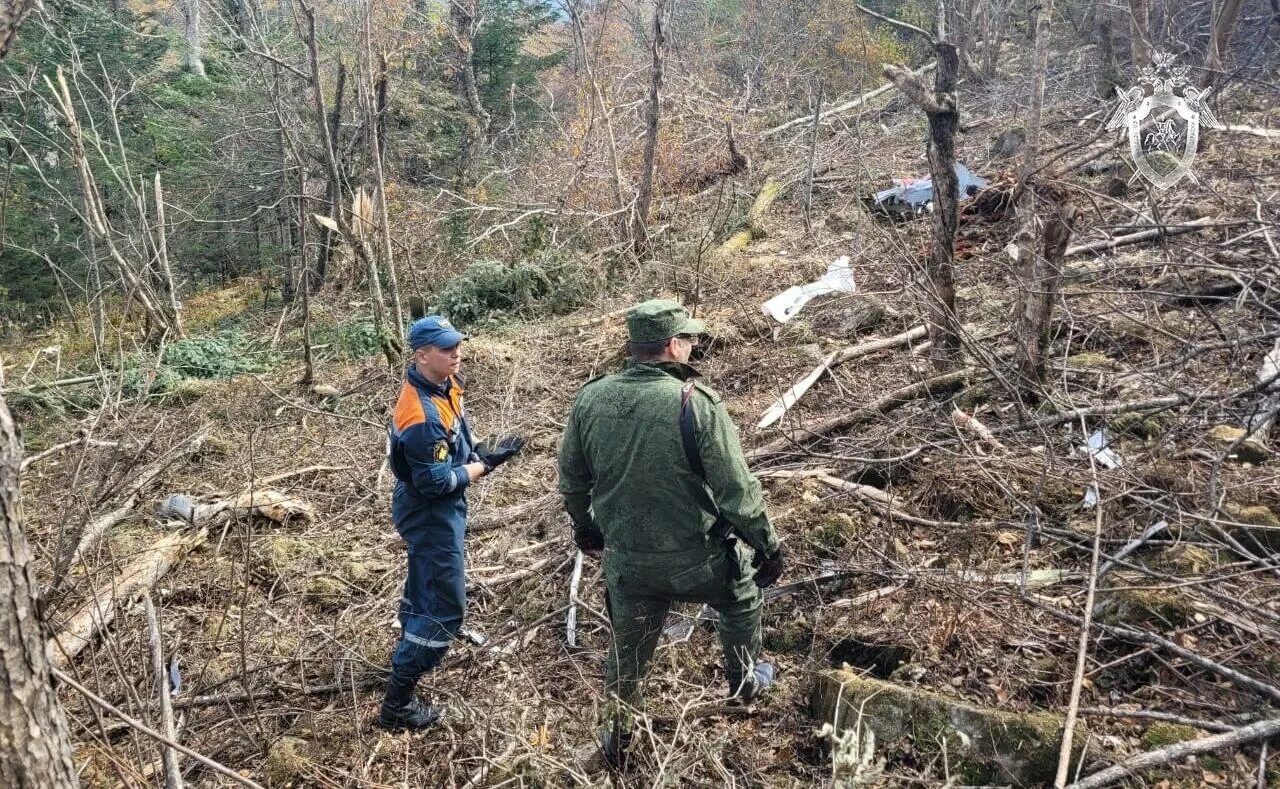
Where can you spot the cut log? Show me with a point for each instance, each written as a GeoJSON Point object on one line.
{"type": "Point", "coordinates": [819, 428]}
{"type": "Point", "coordinates": [1142, 235]}
{"type": "Point", "coordinates": [835, 358]}
{"type": "Point", "coordinates": [139, 576]}
{"type": "Point", "coordinates": [266, 503]}
{"type": "Point", "coordinates": [753, 228]}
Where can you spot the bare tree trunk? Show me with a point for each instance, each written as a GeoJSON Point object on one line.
{"type": "Point", "coordinates": [644, 192]}
{"type": "Point", "coordinates": [580, 40]}
{"type": "Point", "coordinates": [1140, 32]}
{"type": "Point", "coordinates": [35, 743]}
{"type": "Point", "coordinates": [1108, 71]}
{"type": "Point", "coordinates": [1040, 274]}
{"type": "Point", "coordinates": [1043, 274]}
{"type": "Point", "coordinates": [944, 120]}
{"type": "Point", "coordinates": [808, 170]}
{"type": "Point", "coordinates": [166, 273]}
{"type": "Point", "coordinates": [95, 216]}
{"type": "Point", "coordinates": [390, 346]}
{"type": "Point", "coordinates": [333, 183]}
{"type": "Point", "coordinates": [12, 15]}
{"type": "Point", "coordinates": [462, 16]}
{"type": "Point", "coordinates": [308, 368]}
{"type": "Point", "coordinates": [191, 31]}
{"type": "Point", "coordinates": [377, 106]}
{"type": "Point", "coordinates": [1224, 24]}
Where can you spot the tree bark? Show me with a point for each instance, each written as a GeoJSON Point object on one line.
{"type": "Point", "coordinates": [1040, 274]}
{"type": "Point", "coordinates": [12, 15]}
{"type": "Point", "coordinates": [1224, 24]}
{"type": "Point", "coordinates": [944, 120]}
{"type": "Point", "coordinates": [191, 31]}
{"type": "Point", "coordinates": [1140, 32]}
{"type": "Point", "coordinates": [462, 17]}
{"type": "Point", "coordinates": [644, 193]}
{"type": "Point", "coordinates": [35, 743]}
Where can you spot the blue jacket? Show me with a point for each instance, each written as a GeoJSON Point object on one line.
{"type": "Point", "coordinates": [430, 443]}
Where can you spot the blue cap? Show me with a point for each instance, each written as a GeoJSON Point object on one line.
{"type": "Point", "coordinates": [434, 330]}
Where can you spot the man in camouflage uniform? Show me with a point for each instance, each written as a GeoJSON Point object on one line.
{"type": "Point", "coordinates": [669, 532]}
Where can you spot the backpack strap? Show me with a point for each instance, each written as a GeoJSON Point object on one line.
{"type": "Point", "coordinates": [688, 431]}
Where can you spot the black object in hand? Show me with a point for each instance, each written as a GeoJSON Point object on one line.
{"type": "Point", "coordinates": [768, 568]}
{"type": "Point", "coordinates": [589, 541]}
{"type": "Point", "coordinates": [505, 449]}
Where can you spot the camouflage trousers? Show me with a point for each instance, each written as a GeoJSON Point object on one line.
{"type": "Point", "coordinates": [642, 589]}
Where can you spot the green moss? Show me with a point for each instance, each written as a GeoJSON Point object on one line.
{"type": "Point", "coordinates": [288, 762]}
{"type": "Point", "coordinates": [791, 636]}
{"type": "Point", "coordinates": [983, 745]}
{"type": "Point", "coordinates": [1092, 360]}
{"type": "Point", "coordinates": [1160, 734]}
{"type": "Point", "coordinates": [1155, 607]}
{"type": "Point", "coordinates": [1136, 424]}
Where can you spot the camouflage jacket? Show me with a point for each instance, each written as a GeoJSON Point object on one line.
{"type": "Point", "coordinates": [623, 470]}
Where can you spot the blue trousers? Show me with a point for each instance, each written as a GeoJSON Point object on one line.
{"type": "Point", "coordinates": [435, 592]}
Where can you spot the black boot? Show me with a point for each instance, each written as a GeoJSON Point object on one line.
{"type": "Point", "coordinates": [745, 691]}
{"type": "Point", "coordinates": [401, 710]}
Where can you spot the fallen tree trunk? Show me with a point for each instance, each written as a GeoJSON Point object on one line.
{"type": "Point", "coordinates": [266, 503]}
{"type": "Point", "coordinates": [1142, 235]}
{"type": "Point", "coordinates": [840, 109]}
{"type": "Point", "coordinates": [819, 428]}
{"type": "Point", "coordinates": [98, 613]}
{"type": "Point", "coordinates": [793, 395]}
{"type": "Point", "coordinates": [1262, 730]}
{"type": "Point", "coordinates": [753, 229]}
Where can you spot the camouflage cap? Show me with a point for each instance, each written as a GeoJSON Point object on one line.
{"type": "Point", "coordinates": [660, 319]}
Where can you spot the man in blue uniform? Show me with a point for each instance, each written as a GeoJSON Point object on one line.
{"type": "Point", "coordinates": [434, 458]}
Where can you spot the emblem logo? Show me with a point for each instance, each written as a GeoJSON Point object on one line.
{"type": "Point", "coordinates": [1163, 128]}
{"type": "Point", "coordinates": [442, 452]}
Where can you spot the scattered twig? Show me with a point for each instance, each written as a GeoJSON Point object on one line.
{"type": "Point", "coordinates": [1261, 730]}
{"type": "Point", "coordinates": [217, 767]}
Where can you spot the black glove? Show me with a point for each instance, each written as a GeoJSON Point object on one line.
{"type": "Point", "coordinates": [768, 568]}
{"type": "Point", "coordinates": [589, 541]}
{"type": "Point", "coordinates": [505, 449]}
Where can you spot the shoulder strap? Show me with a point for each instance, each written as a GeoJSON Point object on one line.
{"type": "Point", "coordinates": [688, 431]}
{"type": "Point", "coordinates": [688, 437]}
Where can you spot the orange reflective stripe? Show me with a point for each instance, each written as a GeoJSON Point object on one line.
{"type": "Point", "coordinates": [408, 409]}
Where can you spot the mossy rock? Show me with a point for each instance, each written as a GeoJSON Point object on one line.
{"type": "Point", "coordinates": [835, 533]}
{"type": "Point", "coordinates": [1092, 360]}
{"type": "Point", "coordinates": [288, 762]}
{"type": "Point", "coordinates": [1161, 734]}
{"type": "Point", "coordinates": [1261, 524]}
{"type": "Point", "coordinates": [1160, 608]}
{"type": "Point", "coordinates": [326, 587]}
{"type": "Point", "coordinates": [1250, 450]}
{"type": "Point", "coordinates": [983, 745]}
{"type": "Point", "coordinates": [289, 551]}
{"type": "Point", "coordinates": [1186, 559]}
{"type": "Point", "coordinates": [792, 636]}
{"type": "Point", "coordinates": [1136, 424]}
